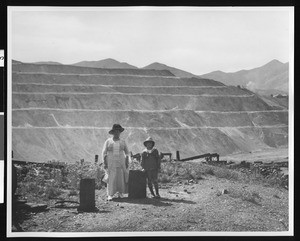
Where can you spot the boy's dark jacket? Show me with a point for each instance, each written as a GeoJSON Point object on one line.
{"type": "Point", "coordinates": [150, 161]}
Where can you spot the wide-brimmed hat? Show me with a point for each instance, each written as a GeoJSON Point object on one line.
{"type": "Point", "coordinates": [117, 127]}
{"type": "Point", "coordinates": [149, 139]}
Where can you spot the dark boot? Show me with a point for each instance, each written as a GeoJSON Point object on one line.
{"type": "Point", "coordinates": [156, 190]}
{"type": "Point", "coordinates": [151, 189]}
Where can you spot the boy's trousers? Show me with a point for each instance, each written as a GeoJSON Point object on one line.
{"type": "Point", "coordinates": [152, 176]}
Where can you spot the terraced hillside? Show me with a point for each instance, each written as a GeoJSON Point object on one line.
{"type": "Point", "coordinates": [64, 113]}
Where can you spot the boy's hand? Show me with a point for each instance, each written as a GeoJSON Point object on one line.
{"type": "Point", "coordinates": [143, 170]}
{"type": "Point", "coordinates": [127, 162]}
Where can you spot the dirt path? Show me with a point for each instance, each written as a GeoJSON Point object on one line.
{"type": "Point", "coordinates": [183, 207]}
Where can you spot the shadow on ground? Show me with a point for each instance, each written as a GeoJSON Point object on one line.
{"type": "Point", "coordinates": [97, 210]}
{"type": "Point", "coordinates": [152, 201]}
{"type": "Point", "coordinates": [19, 216]}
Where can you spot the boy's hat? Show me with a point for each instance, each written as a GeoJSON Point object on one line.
{"type": "Point", "coordinates": [116, 127]}
{"type": "Point", "coordinates": [149, 139]}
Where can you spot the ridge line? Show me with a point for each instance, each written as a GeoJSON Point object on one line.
{"type": "Point", "coordinates": [118, 93]}
{"type": "Point", "coordinates": [131, 86]}
{"type": "Point", "coordinates": [131, 75]}
{"type": "Point", "coordinates": [147, 128]}
{"type": "Point", "coordinates": [128, 110]}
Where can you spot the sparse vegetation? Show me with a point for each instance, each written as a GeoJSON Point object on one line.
{"type": "Point", "coordinates": [41, 182]}
{"type": "Point", "coordinates": [164, 178]}
{"type": "Point", "coordinates": [45, 182]}
{"type": "Point", "coordinates": [173, 171]}
{"type": "Point", "coordinates": [249, 196]}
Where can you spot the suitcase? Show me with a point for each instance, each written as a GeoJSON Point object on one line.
{"type": "Point", "coordinates": [137, 184]}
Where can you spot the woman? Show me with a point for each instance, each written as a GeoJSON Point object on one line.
{"type": "Point", "coordinates": [116, 159]}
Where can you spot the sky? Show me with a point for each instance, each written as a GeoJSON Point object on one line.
{"type": "Point", "coordinates": [198, 40]}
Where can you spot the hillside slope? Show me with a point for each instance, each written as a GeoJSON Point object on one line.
{"type": "Point", "coordinates": [64, 113]}
{"type": "Point", "coordinates": [273, 75]}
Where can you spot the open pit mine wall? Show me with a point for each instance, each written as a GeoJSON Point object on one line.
{"type": "Point", "coordinates": [64, 113]}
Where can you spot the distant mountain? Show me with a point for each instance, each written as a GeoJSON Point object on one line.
{"type": "Point", "coordinates": [273, 75]}
{"type": "Point", "coordinates": [16, 62]}
{"type": "Point", "coordinates": [105, 64]}
{"type": "Point", "coordinates": [47, 62]}
{"type": "Point", "coordinates": [176, 72]}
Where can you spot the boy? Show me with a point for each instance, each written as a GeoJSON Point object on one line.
{"type": "Point", "coordinates": [150, 163]}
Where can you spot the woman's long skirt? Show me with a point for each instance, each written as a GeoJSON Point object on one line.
{"type": "Point", "coordinates": [117, 181]}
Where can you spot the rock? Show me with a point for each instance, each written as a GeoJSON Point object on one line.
{"type": "Point", "coordinates": [121, 207]}
{"type": "Point", "coordinates": [185, 190]}
{"type": "Point", "coordinates": [211, 188]}
{"type": "Point", "coordinates": [224, 191]}
{"type": "Point", "coordinates": [14, 229]}
{"type": "Point", "coordinates": [33, 207]}
{"type": "Point", "coordinates": [21, 201]}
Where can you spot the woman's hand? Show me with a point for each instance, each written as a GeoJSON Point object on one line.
{"type": "Point", "coordinates": [105, 162]}
{"type": "Point", "coordinates": [126, 162]}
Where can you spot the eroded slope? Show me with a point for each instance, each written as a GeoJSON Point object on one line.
{"type": "Point", "coordinates": [64, 113]}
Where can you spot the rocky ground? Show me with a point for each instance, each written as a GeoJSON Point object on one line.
{"type": "Point", "coordinates": [272, 155]}
{"type": "Point", "coordinates": [208, 204]}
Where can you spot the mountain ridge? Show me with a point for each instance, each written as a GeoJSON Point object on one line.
{"type": "Point", "coordinates": [272, 75]}
{"type": "Point", "coordinates": [177, 72]}
{"type": "Point", "coordinates": [105, 63]}
{"type": "Point", "coordinates": [47, 62]}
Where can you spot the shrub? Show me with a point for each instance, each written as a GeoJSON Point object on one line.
{"type": "Point", "coordinates": [47, 182]}
{"type": "Point", "coordinates": [168, 168]}
{"type": "Point", "coordinates": [52, 192]}
{"type": "Point", "coordinates": [249, 196]}
{"type": "Point", "coordinates": [210, 171]}
{"type": "Point", "coordinates": [252, 197]}
{"type": "Point", "coordinates": [227, 174]}
{"type": "Point", "coordinates": [135, 165]}
{"type": "Point", "coordinates": [163, 178]}
{"type": "Point", "coordinates": [72, 193]}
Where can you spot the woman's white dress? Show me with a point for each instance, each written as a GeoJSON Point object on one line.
{"type": "Point", "coordinates": [116, 152]}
